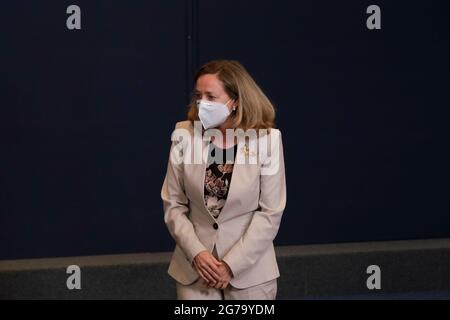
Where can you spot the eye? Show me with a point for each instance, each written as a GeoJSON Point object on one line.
{"type": "Point", "coordinates": [210, 97]}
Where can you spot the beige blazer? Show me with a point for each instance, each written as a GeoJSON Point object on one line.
{"type": "Point", "coordinates": [249, 221]}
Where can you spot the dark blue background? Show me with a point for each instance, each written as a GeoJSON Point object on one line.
{"type": "Point", "coordinates": [86, 116]}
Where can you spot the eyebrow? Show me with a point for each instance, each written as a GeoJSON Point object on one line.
{"type": "Point", "coordinates": [207, 92]}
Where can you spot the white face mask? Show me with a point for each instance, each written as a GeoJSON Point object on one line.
{"type": "Point", "coordinates": [212, 114]}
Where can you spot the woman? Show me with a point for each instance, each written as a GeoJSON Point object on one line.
{"type": "Point", "coordinates": [224, 208]}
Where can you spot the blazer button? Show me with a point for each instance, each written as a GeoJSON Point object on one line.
{"type": "Point", "coordinates": [215, 226]}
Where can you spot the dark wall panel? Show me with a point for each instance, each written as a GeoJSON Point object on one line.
{"type": "Point", "coordinates": [85, 119]}
{"type": "Point", "coordinates": [365, 114]}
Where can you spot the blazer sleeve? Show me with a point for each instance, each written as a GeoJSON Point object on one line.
{"type": "Point", "coordinates": [176, 206]}
{"type": "Point", "coordinates": [266, 220]}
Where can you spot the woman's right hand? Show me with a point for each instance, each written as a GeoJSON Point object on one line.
{"type": "Point", "coordinates": [207, 267]}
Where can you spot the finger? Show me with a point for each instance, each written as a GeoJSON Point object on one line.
{"type": "Point", "coordinates": [205, 279]}
{"type": "Point", "coordinates": [216, 285]}
{"type": "Point", "coordinates": [214, 260]}
{"type": "Point", "coordinates": [217, 262]}
{"type": "Point", "coordinates": [206, 268]}
{"type": "Point", "coordinates": [206, 282]}
{"type": "Point", "coordinates": [223, 272]}
{"type": "Point", "coordinates": [216, 267]}
{"type": "Point", "coordinates": [202, 275]}
{"type": "Point", "coordinates": [200, 271]}
{"type": "Point", "coordinates": [208, 276]}
{"type": "Point", "coordinates": [213, 269]}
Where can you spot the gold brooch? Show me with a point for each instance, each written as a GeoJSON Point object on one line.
{"type": "Point", "coordinates": [245, 150]}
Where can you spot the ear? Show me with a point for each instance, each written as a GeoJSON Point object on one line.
{"type": "Point", "coordinates": [236, 105]}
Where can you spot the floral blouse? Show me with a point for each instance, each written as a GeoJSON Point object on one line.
{"type": "Point", "coordinates": [218, 178]}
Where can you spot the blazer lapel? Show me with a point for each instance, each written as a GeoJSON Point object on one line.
{"type": "Point", "coordinates": [205, 149]}
{"type": "Point", "coordinates": [241, 169]}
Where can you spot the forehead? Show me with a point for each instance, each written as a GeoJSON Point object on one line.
{"type": "Point", "coordinates": [209, 83]}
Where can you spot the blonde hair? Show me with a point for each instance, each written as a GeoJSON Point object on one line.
{"type": "Point", "coordinates": [254, 110]}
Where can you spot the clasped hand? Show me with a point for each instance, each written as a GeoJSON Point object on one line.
{"type": "Point", "coordinates": [215, 274]}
